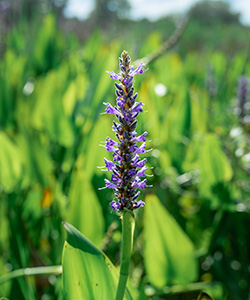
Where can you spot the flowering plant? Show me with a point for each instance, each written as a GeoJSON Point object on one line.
{"type": "Point", "coordinates": [127, 168]}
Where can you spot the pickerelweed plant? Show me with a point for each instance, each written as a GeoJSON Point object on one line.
{"type": "Point", "coordinates": [128, 170]}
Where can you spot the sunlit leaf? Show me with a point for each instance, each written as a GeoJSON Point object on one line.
{"type": "Point", "coordinates": [214, 165]}
{"type": "Point", "coordinates": [48, 111]}
{"type": "Point", "coordinates": [11, 163]}
{"type": "Point", "coordinates": [38, 164]}
{"type": "Point", "coordinates": [84, 208]}
{"type": "Point", "coordinates": [87, 272]}
{"type": "Point", "coordinates": [169, 253]}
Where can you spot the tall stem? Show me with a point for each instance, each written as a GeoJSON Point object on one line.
{"type": "Point", "coordinates": [128, 225]}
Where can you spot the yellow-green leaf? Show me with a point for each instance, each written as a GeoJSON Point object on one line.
{"type": "Point", "coordinates": [169, 253]}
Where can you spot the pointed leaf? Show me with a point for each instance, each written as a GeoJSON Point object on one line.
{"type": "Point", "coordinates": [11, 164]}
{"type": "Point", "coordinates": [85, 210]}
{"type": "Point", "coordinates": [169, 253]}
{"type": "Point", "coordinates": [87, 272]}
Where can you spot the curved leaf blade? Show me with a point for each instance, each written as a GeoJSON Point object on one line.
{"type": "Point", "coordinates": [87, 272]}
{"type": "Point", "coordinates": [169, 253]}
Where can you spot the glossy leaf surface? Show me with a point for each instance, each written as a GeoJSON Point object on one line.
{"type": "Point", "coordinates": [87, 272]}
{"type": "Point", "coordinates": [169, 253]}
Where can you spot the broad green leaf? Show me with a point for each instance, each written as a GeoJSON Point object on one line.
{"type": "Point", "coordinates": [178, 126]}
{"type": "Point", "coordinates": [152, 42]}
{"type": "Point", "coordinates": [85, 210]}
{"type": "Point", "coordinates": [101, 130]}
{"type": "Point", "coordinates": [168, 252]}
{"type": "Point", "coordinates": [199, 110]}
{"type": "Point", "coordinates": [215, 166]}
{"type": "Point", "coordinates": [69, 99]}
{"type": "Point", "coordinates": [205, 154]}
{"type": "Point", "coordinates": [152, 117]}
{"type": "Point", "coordinates": [48, 111]}
{"type": "Point", "coordinates": [11, 164]}
{"type": "Point", "coordinates": [74, 92]}
{"type": "Point", "coordinates": [87, 272]}
{"type": "Point", "coordinates": [38, 164]}
{"type": "Point", "coordinates": [48, 45]}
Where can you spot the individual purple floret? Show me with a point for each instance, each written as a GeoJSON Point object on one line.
{"type": "Point", "coordinates": [127, 168]}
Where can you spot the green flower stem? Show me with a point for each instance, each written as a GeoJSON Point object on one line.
{"type": "Point", "coordinates": [56, 270]}
{"type": "Point", "coordinates": [128, 226]}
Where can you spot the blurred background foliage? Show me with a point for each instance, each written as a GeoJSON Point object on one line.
{"type": "Point", "coordinates": [194, 232]}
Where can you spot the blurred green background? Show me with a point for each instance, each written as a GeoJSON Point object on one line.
{"type": "Point", "coordinates": [194, 231]}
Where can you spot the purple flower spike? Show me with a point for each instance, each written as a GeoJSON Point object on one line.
{"type": "Point", "coordinates": [127, 167]}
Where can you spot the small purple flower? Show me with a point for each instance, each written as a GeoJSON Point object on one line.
{"type": "Point", "coordinates": [126, 168]}
{"type": "Point", "coordinates": [141, 149]}
{"type": "Point", "coordinates": [132, 172]}
{"type": "Point", "coordinates": [139, 70]}
{"type": "Point", "coordinates": [109, 164]}
{"type": "Point", "coordinates": [137, 108]}
{"type": "Point", "coordinates": [136, 195]}
{"type": "Point", "coordinates": [120, 102]}
{"type": "Point", "coordinates": [139, 204]}
{"type": "Point", "coordinates": [141, 138]}
{"type": "Point", "coordinates": [109, 184]}
{"type": "Point", "coordinates": [114, 76]}
{"type": "Point", "coordinates": [242, 92]}
{"type": "Point", "coordinates": [110, 142]}
{"type": "Point", "coordinates": [115, 205]}
{"type": "Point", "coordinates": [142, 184]}
{"type": "Point", "coordinates": [115, 179]}
{"type": "Point", "coordinates": [140, 163]}
{"type": "Point", "coordinates": [141, 173]}
{"type": "Point", "coordinates": [111, 110]}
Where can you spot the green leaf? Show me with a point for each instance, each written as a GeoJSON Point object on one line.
{"type": "Point", "coordinates": [169, 253]}
{"type": "Point", "coordinates": [35, 155]}
{"type": "Point", "coordinates": [101, 130]}
{"type": "Point", "coordinates": [11, 164]}
{"type": "Point", "coordinates": [215, 170]}
{"type": "Point", "coordinates": [85, 210]}
{"type": "Point", "coordinates": [48, 112]}
{"type": "Point", "coordinates": [87, 272]}
{"type": "Point", "coordinates": [178, 126]}
{"type": "Point", "coordinates": [215, 166]}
